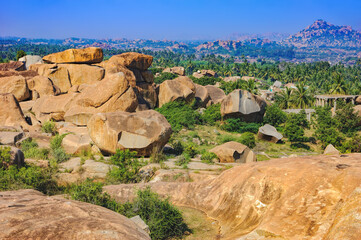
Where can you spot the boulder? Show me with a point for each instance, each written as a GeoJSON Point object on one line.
{"type": "Point", "coordinates": [10, 135]}
{"type": "Point", "coordinates": [15, 85]}
{"type": "Point", "coordinates": [58, 74]}
{"type": "Point", "coordinates": [15, 66]}
{"type": "Point", "coordinates": [146, 94]}
{"type": "Point", "coordinates": [84, 73]}
{"type": "Point", "coordinates": [331, 150]}
{"type": "Point", "coordinates": [202, 97]}
{"type": "Point", "coordinates": [243, 104]}
{"type": "Point", "coordinates": [137, 220]}
{"type": "Point", "coordinates": [234, 152]}
{"type": "Point", "coordinates": [176, 70]}
{"type": "Point", "coordinates": [179, 88]}
{"type": "Point", "coordinates": [277, 84]}
{"type": "Point", "coordinates": [27, 74]}
{"type": "Point", "coordinates": [205, 73]}
{"type": "Point", "coordinates": [86, 55]}
{"type": "Point", "coordinates": [77, 139]}
{"type": "Point", "coordinates": [358, 100]}
{"type": "Point", "coordinates": [16, 156]}
{"type": "Point", "coordinates": [216, 94]}
{"type": "Point", "coordinates": [29, 214]}
{"type": "Point", "coordinates": [140, 131]}
{"type": "Point", "coordinates": [132, 60]}
{"type": "Point", "coordinates": [41, 86]}
{"type": "Point", "coordinates": [269, 133]}
{"type": "Point", "coordinates": [11, 113]}
{"type": "Point", "coordinates": [30, 60]}
{"type": "Point", "coordinates": [232, 79]}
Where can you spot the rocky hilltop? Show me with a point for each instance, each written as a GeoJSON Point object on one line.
{"type": "Point", "coordinates": [324, 34]}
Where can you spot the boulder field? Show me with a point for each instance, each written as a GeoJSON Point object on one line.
{"type": "Point", "coordinates": [314, 197]}
{"type": "Point", "coordinates": [29, 214]}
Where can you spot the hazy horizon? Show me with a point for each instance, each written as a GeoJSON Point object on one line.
{"type": "Point", "coordinates": [169, 20]}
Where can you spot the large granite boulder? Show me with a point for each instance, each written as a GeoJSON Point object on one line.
{"type": "Point", "coordinates": [10, 135]}
{"type": "Point", "coordinates": [11, 113]}
{"type": "Point", "coordinates": [269, 133]}
{"type": "Point", "coordinates": [216, 94]}
{"type": "Point", "coordinates": [234, 152]}
{"type": "Point", "coordinates": [140, 131]}
{"type": "Point", "coordinates": [30, 60]}
{"type": "Point", "coordinates": [86, 55]}
{"type": "Point", "coordinates": [15, 85]}
{"type": "Point", "coordinates": [29, 214]}
{"type": "Point", "coordinates": [58, 74]}
{"type": "Point", "coordinates": [12, 66]}
{"type": "Point", "coordinates": [42, 86]}
{"type": "Point", "coordinates": [176, 70]}
{"type": "Point", "coordinates": [77, 139]}
{"type": "Point", "coordinates": [205, 73]}
{"type": "Point", "coordinates": [84, 73]}
{"type": "Point", "coordinates": [243, 104]}
{"type": "Point", "coordinates": [133, 60]}
{"type": "Point", "coordinates": [202, 96]}
{"type": "Point", "coordinates": [180, 88]}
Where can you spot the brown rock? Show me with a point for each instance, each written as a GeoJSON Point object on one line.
{"type": "Point", "coordinates": [132, 60]}
{"type": "Point", "coordinates": [83, 73]}
{"type": "Point", "coordinates": [205, 73]}
{"type": "Point", "coordinates": [244, 105]}
{"type": "Point", "coordinates": [331, 150]}
{"type": "Point", "coordinates": [29, 214]}
{"type": "Point", "coordinates": [26, 74]}
{"type": "Point", "coordinates": [179, 88]}
{"type": "Point", "coordinates": [216, 94]}
{"type": "Point", "coordinates": [86, 55]}
{"type": "Point", "coordinates": [41, 86]}
{"type": "Point", "coordinates": [11, 113]}
{"type": "Point", "coordinates": [358, 100]}
{"type": "Point", "coordinates": [269, 133]}
{"type": "Point", "coordinates": [58, 74]}
{"type": "Point", "coordinates": [234, 152]}
{"type": "Point", "coordinates": [177, 70]}
{"type": "Point", "coordinates": [202, 96]}
{"type": "Point", "coordinates": [10, 135]}
{"type": "Point", "coordinates": [290, 198]}
{"type": "Point", "coordinates": [15, 85]}
{"type": "Point", "coordinates": [16, 66]}
{"type": "Point", "coordinates": [76, 141]}
{"type": "Point", "coordinates": [141, 131]}
{"type": "Point", "coordinates": [147, 95]}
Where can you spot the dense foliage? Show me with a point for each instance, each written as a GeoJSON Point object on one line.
{"type": "Point", "coordinates": [274, 115]}
{"type": "Point", "coordinates": [237, 125]}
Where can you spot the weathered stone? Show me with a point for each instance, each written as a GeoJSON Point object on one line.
{"type": "Point", "coordinates": [58, 74]}
{"type": "Point", "coordinates": [15, 85]}
{"type": "Point", "coordinates": [358, 100]}
{"type": "Point", "coordinates": [269, 133]}
{"type": "Point", "coordinates": [27, 74]}
{"type": "Point", "coordinates": [86, 55]}
{"type": "Point", "coordinates": [84, 73]}
{"type": "Point", "coordinates": [133, 60]}
{"type": "Point", "coordinates": [141, 131]}
{"type": "Point", "coordinates": [137, 220]}
{"type": "Point", "coordinates": [179, 88]}
{"type": "Point", "coordinates": [15, 66]}
{"type": "Point", "coordinates": [234, 152]}
{"type": "Point", "coordinates": [37, 162]}
{"type": "Point", "coordinates": [216, 94]}
{"type": "Point", "coordinates": [76, 141]}
{"type": "Point", "coordinates": [38, 216]}
{"type": "Point", "coordinates": [202, 97]}
{"type": "Point", "coordinates": [43, 86]}
{"type": "Point", "coordinates": [11, 113]}
{"type": "Point", "coordinates": [244, 105]}
{"type": "Point", "coordinates": [331, 150]}
{"type": "Point", "coordinates": [176, 70]}
{"type": "Point", "coordinates": [30, 60]}
{"type": "Point", "coordinates": [146, 94]}
{"type": "Point", "coordinates": [205, 73]}
{"type": "Point", "coordinates": [10, 135]}
{"type": "Point", "coordinates": [232, 79]}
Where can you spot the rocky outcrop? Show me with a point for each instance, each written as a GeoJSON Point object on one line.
{"type": "Point", "coordinates": [10, 135]}
{"type": "Point", "coordinates": [205, 73]}
{"type": "Point", "coordinates": [132, 60]}
{"type": "Point", "coordinates": [310, 197]}
{"type": "Point", "coordinates": [141, 131]}
{"type": "Point", "coordinates": [29, 214]}
{"type": "Point", "coordinates": [180, 88]}
{"type": "Point", "coordinates": [12, 66]}
{"type": "Point", "coordinates": [40, 86]}
{"type": "Point", "coordinates": [77, 139]}
{"type": "Point", "coordinates": [269, 133]}
{"type": "Point", "coordinates": [232, 79]}
{"type": "Point", "coordinates": [202, 96]}
{"type": "Point", "coordinates": [86, 55]}
{"type": "Point", "coordinates": [15, 85]}
{"type": "Point", "coordinates": [234, 152]}
{"type": "Point", "coordinates": [331, 150]}
{"type": "Point", "coordinates": [216, 94]}
{"type": "Point", "coordinates": [11, 113]}
{"type": "Point", "coordinates": [176, 70]}
{"type": "Point", "coordinates": [244, 105]}
{"type": "Point", "coordinates": [30, 60]}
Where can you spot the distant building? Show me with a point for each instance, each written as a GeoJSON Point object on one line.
{"type": "Point", "coordinates": [308, 112]}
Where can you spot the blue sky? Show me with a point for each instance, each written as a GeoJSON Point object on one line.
{"type": "Point", "coordinates": [169, 19]}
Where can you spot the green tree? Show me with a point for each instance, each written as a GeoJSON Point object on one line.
{"type": "Point", "coordinates": [283, 99]}
{"type": "Point", "coordinates": [301, 96]}
{"type": "Point", "coordinates": [347, 118]}
{"type": "Point", "coordinates": [339, 84]}
{"type": "Point", "coordinates": [20, 54]}
{"type": "Point", "coordinates": [274, 115]}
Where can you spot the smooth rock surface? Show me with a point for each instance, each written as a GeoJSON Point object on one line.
{"type": "Point", "coordinates": [331, 150]}
{"type": "Point", "coordinates": [234, 152]}
{"type": "Point", "coordinates": [176, 89]}
{"type": "Point", "coordinates": [269, 133]}
{"type": "Point", "coordinates": [86, 55]}
{"type": "Point", "coordinates": [15, 85]}
{"type": "Point", "coordinates": [30, 60]}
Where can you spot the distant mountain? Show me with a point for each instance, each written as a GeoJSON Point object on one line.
{"type": "Point", "coordinates": [324, 34]}
{"type": "Point", "coordinates": [272, 36]}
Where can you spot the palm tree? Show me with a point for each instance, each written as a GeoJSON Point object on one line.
{"type": "Point", "coordinates": [250, 86]}
{"type": "Point", "coordinates": [339, 84]}
{"type": "Point", "coordinates": [301, 97]}
{"type": "Point", "coordinates": [283, 99]}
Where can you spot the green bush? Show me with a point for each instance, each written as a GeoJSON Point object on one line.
{"type": "Point", "coordinates": [180, 115]}
{"type": "Point", "coordinates": [165, 76]}
{"type": "Point", "coordinates": [177, 146]}
{"type": "Point", "coordinates": [190, 149]}
{"type": "Point", "coordinates": [49, 127]}
{"type": "Point", "coordinates": [351, 145]}
{"type": "Point", "coordinates": [5, 157]}
{"type": "Point", "coordinates": [31, 150]}
{"type": "Point", "coordinates": [207, 157]}
{"type": "Point", "coordinates": [183, 160]}
{"type": "Point", "coordinates": [237, 125]}
{"type": "Point", "coordinates": [126, 168]}
{"type": "Point", "coordinates": [248, 139]}
{"type": "Point", "coordinates": [212, 114]}
{"type": "Point", "coordinates": [57, 150]}
{"type": "Point", "coordinates": [227, 138]}
{"type": "Point", "coordinates": [274, 116]}
{"type": "Point", "coordinates": [347, 118]}
{"type": "Point", "coordinates": [205, 80]}
{"type": "Point", "coordinates": [157, 156]}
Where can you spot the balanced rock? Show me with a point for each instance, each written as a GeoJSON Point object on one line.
{"type": "Point", "coordinates": [133, 60]}
{"type": "Point", "coordinates": [11, 113]}
{"type": "Point", "coordinates": [234, 152]}
{"type": "Point", "coordinates": [176, 89]}
{"type": "Point", "coordinates": [15, 85]}
{"type": "Point", "coordinates": [269, 133]}
{"type": "Point", "coordinates": [216, 94]}
{"type": "Point", "coordinates": [29, 214]}
{"type": "Point", "coordinates": [30, 60]}
{"type": "Point", "coordinates": [86, 55]}
{"type": "Point", "coordinates": [331, 150]}
{"type": "Point", "coordinates": [84, 73]}
{"type": "Point", "coordinates": [243, 104]}
{"type": "Point", "coordinates": [140, 131]}
{"type": "Point", "coordinates": [176, 70]}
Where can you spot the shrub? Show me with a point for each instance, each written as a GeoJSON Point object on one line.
{"type": "Point", "coordinates": [248, 139]}
{"type": "Point", "coordinates": [205, 80]}
{"type": "Point", "coordinates": [127, 167]}
{"type": "Point", "coordinates": [177, 146]}
{"type": "Point", "coordinates": [183, 160]}
{"type": "Point", "coordinates": [5, 157]}
{"type": "Point", "coordinates": [31, 150]}
{"type": "Point", "coordinates": [57, 150]}
{"type": "Point", "coordinates": [157, 156]}
{"type": "Point", "coordinates": [351, 145]}
{"type": "Point", "coordinates": [207, 157]}
{"type": "Point", "coordinates": [226, 138]}
{"type": "Point", "coordinates": [165, 76]}
{"type": "Point", "coordinates": [190, 149]}
{"type": "Point", "coordinates": [180, 115]}
{"type": "Point", "coordinates": [212, 114]}
{"type": "Point", "coordinates": [274, 116]}
{"type": "Point", "coordinates": [347, 119]}
{"type": "Point", "coordinates": [49, 127]}
{"type": "Point", "coordinates": [237, 125]}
